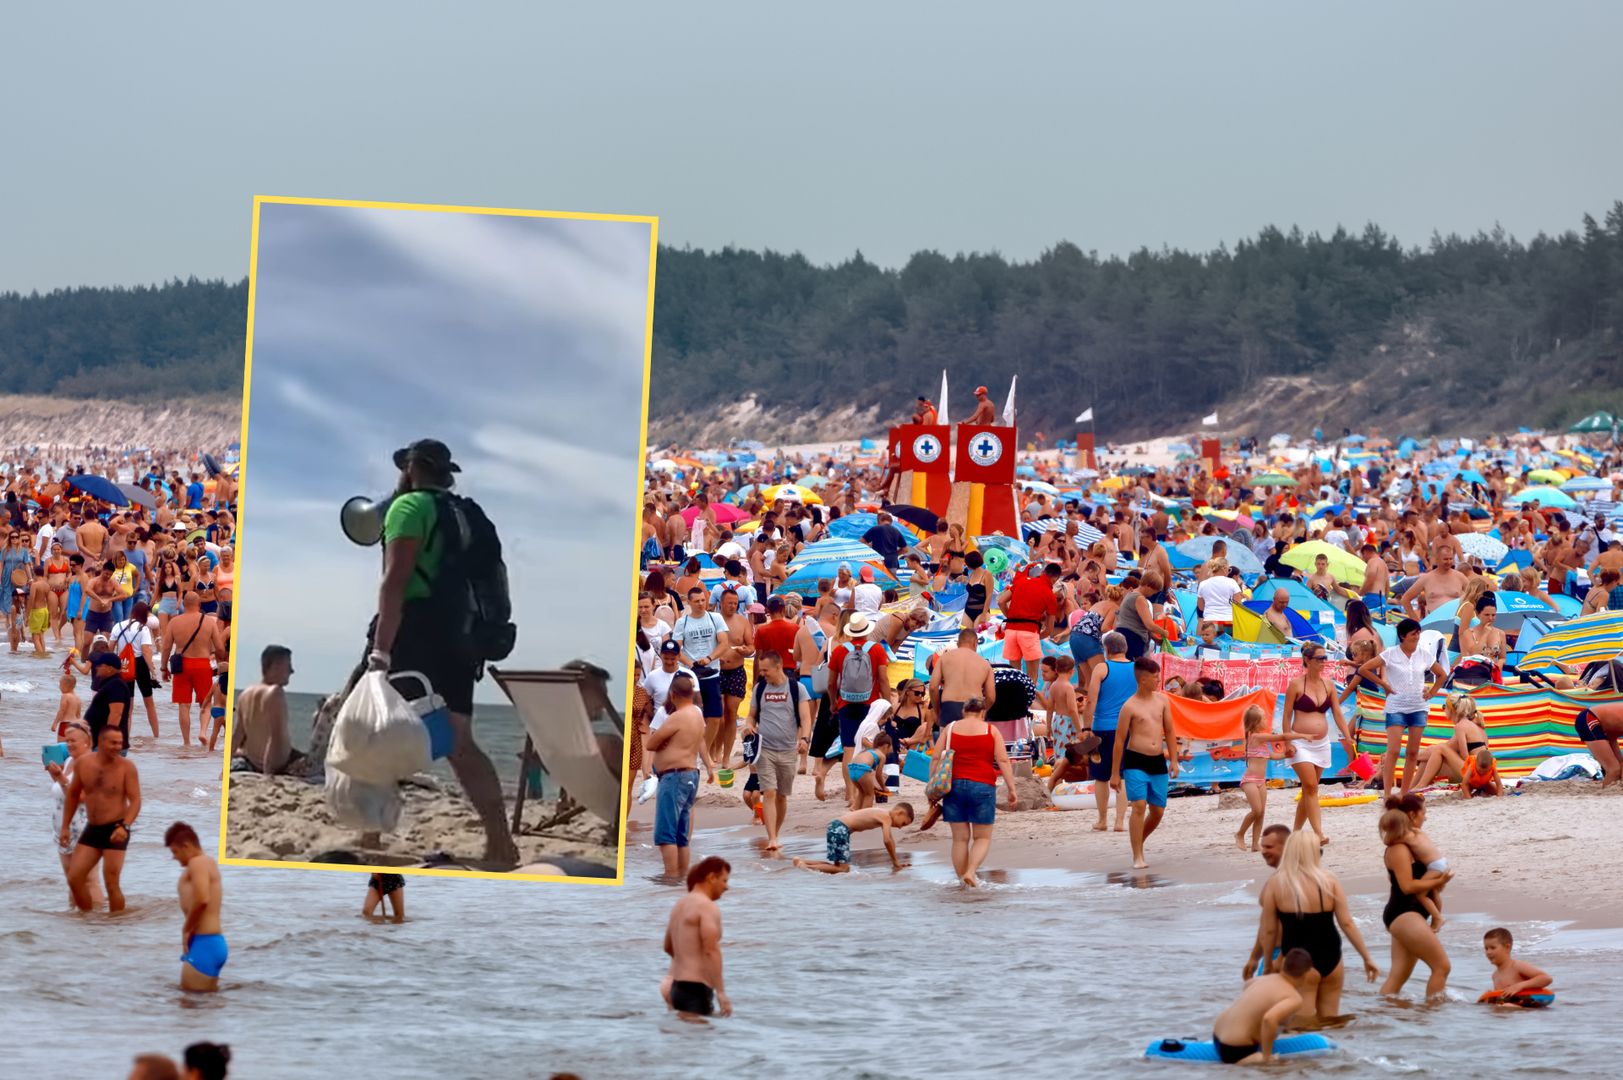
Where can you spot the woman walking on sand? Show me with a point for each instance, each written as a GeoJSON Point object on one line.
{"type": "Point", "coordinates": [1310, 703]}
{"type": "Point", "coordinates": [1302, 905]}
{"type": "Point", "coordinates": [970, 807]}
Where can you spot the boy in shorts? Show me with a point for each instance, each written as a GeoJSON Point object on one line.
{"type": "Point", "coordinates": [1145, 756]}
{"type": "Point", "coordinates": [1058, 698]}
{"type": "Point", "coordinates": [883, 818]}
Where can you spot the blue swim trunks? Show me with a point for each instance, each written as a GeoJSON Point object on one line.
{"type": "Point", "coordinates": [839, 842]}
{"type": "Point", "coordinates": [206, 955]}
{"type": "Point", "coordinates": [1145, 787]}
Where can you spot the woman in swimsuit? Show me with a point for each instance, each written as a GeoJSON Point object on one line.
{"type": "Point", "coordinates": [844, 586]}
{"type": "Point", "coordinates": [689, 581]}
{"type": "Point", "coordinates": [1302, 905]}
{"type": "Point", "coordinates": [1484, 639]}
{"type": "Point", "coordinates": [981, 586]}
{"type": "Point", "coordinates": [203, 585]}
{"type": "Point", "coordinates": [1449, 757]}
{"type": "Point", "coordinates": [1310, 701]}
{"type": "Point", "coordinates": [1360, 627]}
{"type": "Point", "coordinates": [57, 571]}
{"type": "Point", "coordinates": [381, 887]}
{"type": "Point", "coordinates": [1404, 915]}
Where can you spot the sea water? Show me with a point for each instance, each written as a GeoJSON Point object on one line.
{"type": "Point", "coordinates": [873, 974]}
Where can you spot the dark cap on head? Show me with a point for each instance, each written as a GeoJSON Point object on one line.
{"type": "Point", "coordinates": [105, 659]}
{"type": "Point", "coordinates": [430, 451]}
{"type": "Point", "coordinates": [670, 645]}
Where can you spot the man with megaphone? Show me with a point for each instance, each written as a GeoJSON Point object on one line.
{"type": "Point", "coordinates": [442, 608]}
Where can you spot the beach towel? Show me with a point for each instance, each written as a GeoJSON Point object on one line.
{"type": "Point", "coordinates": [1216, 721]}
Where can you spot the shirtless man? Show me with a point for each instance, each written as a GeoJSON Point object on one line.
{"type": "Point", "coordinates": [1435, 587]}
{"type": "Point", "coordinates": [960, 673]}
{"type": "Point", "coordinates": [259, 734]}
{"type": "Point", "coordinates": [676, 534]}
{"type": "Point", "coordinates": [984, 413]}
{"type": "Point", "coordinates": [693, 942]}
{"type": "Point", "coordinates": [102, 591]}
{"type": "Point", "coordinates": [676, 743]}
{"type": "Point", "coordinates": [1152, 556]}
{"type": "Point", "coordinates": [937, 543]}
{"type": "Point", "coordinates": [1272, 848]}
{"type": "Point", "coordinates": [39, 613]}
{"type": "Point", "coordinates": [1377, 579]}
{"type": "Point", "coordinates": [110, 789]}
{"type": "Point", "coordinates": [192, 636]}
{"type": "Point", "coordinates": [1245, 1031]}
{"type": "Point", "coordinates": [1321, 580]}
{"type": "Point", "coordinates": [92, 537]}
{"type": "Point", "coordinates": [1276, 613]}
{"type": "Point", "coordinates": [1144, 759]}
{"type": "Point", "coordinates": [1600, 726]}
{"type": "Point", "coordinates": [203, 947]}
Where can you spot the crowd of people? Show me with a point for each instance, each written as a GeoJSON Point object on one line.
{"type": "Point", "coordinates": [1110, 578]}
{"type": "Point", "coordinates": [122, 573]}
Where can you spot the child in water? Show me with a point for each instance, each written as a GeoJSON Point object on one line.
{"type": "Point", "coordinates": [68, 707]}
{"type": "Point", "coordinates": [1244, 1033]}
{"type": "Point", "coordinates": [841, 828]}
{"type": "Point", "coordinates": [1510, 976]}
{"type": "Point", "coordinates": [1262, 745]}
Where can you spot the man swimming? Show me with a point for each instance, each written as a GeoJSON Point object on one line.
{"type": "Point", "coordinates": [205, 950]}
{"type": "Point", "coordinates": [693, 942]}
{"type": "Point", "coordinates": [108, 785]}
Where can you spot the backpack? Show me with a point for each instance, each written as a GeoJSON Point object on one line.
{"type": "Point", "coordinates": [856, 676]}
{"type": "Point", "coordinates": [472, 580]}
{"type": "Point", "coordinates": [126, 658]}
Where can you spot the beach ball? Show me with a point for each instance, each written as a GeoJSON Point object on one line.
{"type": "Point", "coordinates": [997, 560]}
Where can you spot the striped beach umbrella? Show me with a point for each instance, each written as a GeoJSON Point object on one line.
{"type": "Point", "coordinates": [852, 526]}
{"type": "Point", "coordinates": [836, 549]}
{"type": "Point", "coordinates": [803, 579]}
{"type": "Point", "coordinates": [1590, 637]}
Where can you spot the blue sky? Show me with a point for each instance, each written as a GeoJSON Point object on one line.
{"type": "Point", "coordinates": [139, 135]}
{"type": "Point", "coordinates": [518, 341]}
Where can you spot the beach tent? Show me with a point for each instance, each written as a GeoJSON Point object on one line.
{"type": "Point", "coordinates": [1251, 625]}
{"type": "Point", "coordinates": [1595, 422]}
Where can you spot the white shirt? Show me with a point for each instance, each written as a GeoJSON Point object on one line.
{"type": "Point", "coordinates": [868, 597]}
{"type": "Point", "coordinates": [1407, 676]}
{"type": "Point", "coordinates": [42, 543]}
{"type": "Point", "coordinates": [658, 684]}
{"type": "Point", "coordinates": [1217, 598]}
{"type": "Point", "coordinates": [731, 550]}
{"type": "Point", "coordinates": [656, 635]}
{"type": "Point", "coordinates": [131, 633]}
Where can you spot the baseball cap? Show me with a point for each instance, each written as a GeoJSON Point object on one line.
{"type": "Point", "coordinates": [432, 451]}
{"type": "Point", "coordinates": [867, 573]}
{"type": "Point", "coordinates": [670, 645]}
{"type": "Point", "coordinates": [980, 389]}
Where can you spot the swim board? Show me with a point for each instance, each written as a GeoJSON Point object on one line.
{"type": "Point", "coordinates": [1344, 800]}
{"type": "Point", "coordinates": [1527, 999]}
{"type": "Point", "coordinates": [1304, 1045]}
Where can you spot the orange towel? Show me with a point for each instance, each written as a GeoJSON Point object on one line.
{"type": "Point", "coordinates": [1216, 721]}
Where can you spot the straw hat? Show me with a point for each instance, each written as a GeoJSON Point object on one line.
{"type": "Point", "coordinates": [860, 626]}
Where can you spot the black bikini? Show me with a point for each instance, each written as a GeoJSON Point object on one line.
{"type": "Point", "coordinates": [1314, 931]}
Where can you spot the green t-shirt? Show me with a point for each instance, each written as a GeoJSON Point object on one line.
{"type": "Point", "coordinates": [411, 517]}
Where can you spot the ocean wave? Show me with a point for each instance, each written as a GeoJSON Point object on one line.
{"type": "Point", "coordinates": [23, 687]}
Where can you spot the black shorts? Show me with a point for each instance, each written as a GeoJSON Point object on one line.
{"type": "Point", "coordinates": [426, 643]}
{"type": "Point", "coordinates": [1587, 728]}
{"type": "Point", "coordinates": [692, 997]}
{"type": "Point", "coordinates": [100, 837]}
{"type": "Point", "coordinates": [98, 622]}
{"type": "Point", "coordinates": [387, 883]}
{"type": "Point", "coordinates": [732, 682]}
{"type": "Point", "coordinates": [825, 731]}
{"type": "Point", "coordinates": [710, 698]}
{"type": "Point", "coordinates": [143, 678]}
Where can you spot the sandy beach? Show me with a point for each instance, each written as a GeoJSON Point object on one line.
{"type": "Point", "coordinates": [1547, 854]}
{"type": "Point", "coordinates": [282, 818]}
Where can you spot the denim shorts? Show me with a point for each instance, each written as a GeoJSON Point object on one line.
{"type": "Point", "coordinates": [1406, 719]}
{"type": "Point", "coordinates": [673, 806]}
{"type": "Point", "coordinates": [1085, 647]}
{"type": "Point", "coordinates": [1145, 787]}
{"type": "Point", "coordinates": [971, 802]}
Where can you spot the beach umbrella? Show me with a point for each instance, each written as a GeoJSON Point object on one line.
{"type": "Point", "coordinates": [99, 487]}
{"type": "Point", "coordinates": [1595, 422]}
{"type": "Point", "coordinates": [852, 526]}
{"type": "Point", "coordinates": [1272, 480]}
{"type": "Point", "coordinates": [1546, 496]}
{"type": "Point", "coordinates": [726, 514]}
{"type": "Point", "coordinates": [1547, 476]}
{"type": "Point", "coordinates": [1041, 487]}
{"type": "Point", "coordinates": [803, 579]}
{"type": "Point", "coordinates": [139, 496]}
{"type": "Point", "coordinates": [1585, 483]}
{"type": "Point", "coordinates": [1238, 555]}
{"type": "Point", "coordinates": [1590, 637]}
{"type": "Point", "coordinates": [1345, 566]}
{"type": "Point", "coordinates": [835, 549]}
{"type": "Point", "coordinates": [1472, 476]}
{"type": "Point", "coordinates": [1251, 625]}
{"type": "Point", "coordinates": [917, 516]}
{"type": "Point", "coordinates": [1087, 474]}
{"type": "Point", "coordinates": [1483, 547]}
{"type": "Point", "coordinates": [663, 465]}
{"type": "Point", "coordinates": [794, 492]}
{"type": "Point", "coordinates": [1353, 439]}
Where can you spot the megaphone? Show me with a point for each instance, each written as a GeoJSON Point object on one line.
{"type": "Point", "coordinates": [362, 519]}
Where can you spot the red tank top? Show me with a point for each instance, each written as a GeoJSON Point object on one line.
{"type": "Point", "coordinates": [779, 637]}
{"type": "Point", "coordinates": [974, 757]}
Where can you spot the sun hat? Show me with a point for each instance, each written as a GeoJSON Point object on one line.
{"type": "Point", "coordinates": [860, 626]}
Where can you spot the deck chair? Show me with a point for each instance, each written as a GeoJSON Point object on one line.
{"type": "Point", "coordinates": [558, 732]}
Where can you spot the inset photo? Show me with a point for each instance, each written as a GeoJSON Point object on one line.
{"type": "Point", "coordinates": [440, 539]}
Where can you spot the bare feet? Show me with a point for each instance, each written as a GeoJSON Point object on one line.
{"type": "Point", "coordinates": [971, 881]}
{"type": "Point", "coordinates": [818, 790]}
{"type": "Point", "coordinates": [1140, 864]}
{"type": "Point", "coordinates": [800, 864]}
{"type": "Point", "coordinates": [1239, 839]}
{"type": "Point", "coordinates": [775, 849]}
{"type": "Point", "coordinates": [1100, 826]}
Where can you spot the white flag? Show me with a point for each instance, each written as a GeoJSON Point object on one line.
{"type": "Point", "coordinates": [941, 406]}
{"type": "Point", "coordinates": [1210, 420]}
{"type": "Point", "coordinates": [1008, 405]}
{"type": "Point", "coordinates": [1087, 414]}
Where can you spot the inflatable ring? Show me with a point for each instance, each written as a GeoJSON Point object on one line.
{"type": "Point", "coordinates": [1345, 800]}
{"type": "Point", "coordinates": [1526, 999]}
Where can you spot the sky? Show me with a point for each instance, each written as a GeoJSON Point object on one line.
{"type": "Point", "coordinates": [136, 135]}
{"type": "Point", "coordinates": [517, 341]}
